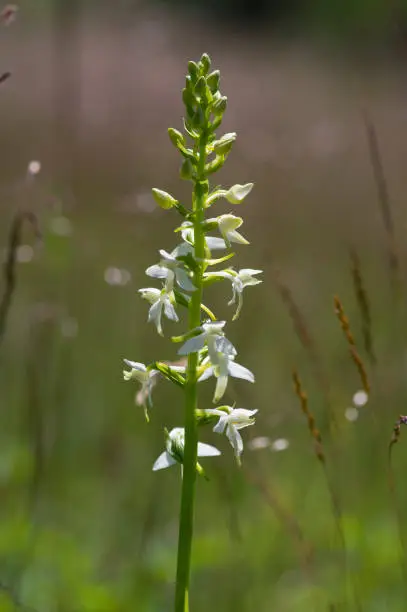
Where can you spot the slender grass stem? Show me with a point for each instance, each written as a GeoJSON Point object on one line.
{"type": "Point", "coordinates": [191, 430]}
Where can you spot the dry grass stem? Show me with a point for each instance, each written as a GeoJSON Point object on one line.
{"type": "Point", "coordinates": [344, 321]}
{"type": "Point", "coordinates": [9, 270]}
{"type": "Point", "coordinates": [364, 305]}
{"type": "Point", "coordinates": [315, 433]}
{"type": "Point", "coordinates": [383, 195]}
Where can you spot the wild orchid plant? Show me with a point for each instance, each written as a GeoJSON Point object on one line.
{"type": "Point", "coordinates": [184, 272]}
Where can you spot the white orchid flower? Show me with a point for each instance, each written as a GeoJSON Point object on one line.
{"type": "Point", "coordinates": [147, 378]}
{"type": "Point", "coordinates": [240, 280]}
{"type": "Point", "coordinates": [223, 367]}
{"type": "Point", "coordinates": [171, 269]}
{"type": "Point", "coordinates": [159, 300]}
{"type": "Point", "coordinates": [231, 421]}
{"type": "Point", "coordinates": [228, 225]}
{"type": "Point", "coordinates": [174, 452]}
{"type": "Point", "coordinates": [211, 335]}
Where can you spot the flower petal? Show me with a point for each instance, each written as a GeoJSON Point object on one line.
{"type": "Point", "coordinates": [221, 424]}
{"type": "Point", "coordinates": [207, 374]}
{"type": "Point", "coordinates": [237, 193]}
{"type": "Point", "coordinates": [220, 388]}
{"type": "Point", "coordinates": [183, 280]}
{"type": "Point", "coordinates": [223, 345]}
{"type": "Point", "coordinates": [238, 371]}
{"type": "Point", "coordinates": [154, 315]}
{"type": "Point", "coordinates": [193, 345]}
{"type": "Point", "coordinates": [215, 244]}
{"type": "Point", "coordinates": [169, 311]}
{"type": "Point", "coordinates": [234, 236]}
{"type": "Point", "coordinates": [164, 460]}
{"type": "Point", "coordinates": [135, 365]}
{"type": "Point", "coordinates": [235, 439]}
{"type": "Point", "coordinates": [157, 271]}
{"type": "Point", "coordinates": [206, 450]}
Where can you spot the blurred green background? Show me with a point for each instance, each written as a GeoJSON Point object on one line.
{"type": "Point", "coordinates": [85, 524]}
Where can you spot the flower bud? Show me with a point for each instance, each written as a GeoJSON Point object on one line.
{"type": "Point", "coordinates": [193, 71]}
{"type": "Point", "coordinates": [224, 144]}
{"type": "Point", "coordinates": [212, 81]}
{"type": "Point", "coordinates": [164, 199]}
{"type": "Point", "coordinates": [176, 137]}
{"type": "Point", "coordinates": [219, 106]}
{"type": "Point", "coordinates": [205, 63]}
{"type": "Point", "coordinates": [187, 170]}
{"type": "Point", "coordinates": [215, 164]}
{"type": "Point", "coordinates": [189, 101]}
{"type": "Point", "coordinates": [200, 86]}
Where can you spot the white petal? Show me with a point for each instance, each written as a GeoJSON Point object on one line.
{"type": "Point", "coordinates": [234, 236]}
{"type": "Point", "coordinates": [245, 272]}
{"type": "Point", "coordinates": [214, 327]}
{"type": "Point", "coordinates": [235, 439]}
{"type": "Point", "coordinates": [223, 345]}
{"type": "Point", "coordinates": [220, 389]}
{"type": "Point", "coordinates": [237, 193]}
{"type": "Point", "coordinates": [215, 244]}
{"type": "Point", "coordinates": [206, 450]}
{"type": "Point", "coordinates": [151, 294]}
{"type": "Point", "coordinates": [163, 461]}
{"type": "Point", "coordinates": [154, 315]}
{"type": "Point", "coordinates": [157, 271]}
{"type": "Point", "coordinates": [241, 417]}
{"type": "Point", "coordinates": [207, 374]}
{"type": "Point", "coordinates": [238, 371]}
{"type": "Point", "coordinates": [169, 311]}
{"type": "Point", "coordinates": [167, 257]}
{"type": "Point", "coordinates": [183, 280]}
{"type": "Point", "coordinates": [193, 345]}
{"type": "Point", "coordinates": [136, 365]}
{"type": "Point", "coordinates": [221, 424]}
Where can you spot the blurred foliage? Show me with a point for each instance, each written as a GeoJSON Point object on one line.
{"type": "Point", "coordinates": [84, 523]}
{"type": "Point", "coordinates": [369, 20]}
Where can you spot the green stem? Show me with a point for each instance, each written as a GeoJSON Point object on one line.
{"type": "Point", "coordinates": [186, 521]}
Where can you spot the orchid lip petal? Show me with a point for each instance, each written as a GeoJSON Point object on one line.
{"type": "Point", "coordinates": [169, 311]}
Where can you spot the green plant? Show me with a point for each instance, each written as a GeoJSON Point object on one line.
{"type": "Point", "coordinates": [184, 275]}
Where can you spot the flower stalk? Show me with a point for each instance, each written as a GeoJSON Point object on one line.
{"type": "Point", "coordinates": [191, 396]}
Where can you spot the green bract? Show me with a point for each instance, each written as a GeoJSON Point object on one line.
{"type": "Point", "coordinates": [181, 275]}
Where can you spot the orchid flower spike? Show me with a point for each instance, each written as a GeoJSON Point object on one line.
{"type": "Point", "coordinates": [174, 453]}
{"type": "Point", "coordinates": [147, 378]}
{"type": "Point", "coordinates": [169, 269]}
{"type": "Point", "coordinates": [231, 420]}
{"type": "Point", "coordinates": [159, 300]}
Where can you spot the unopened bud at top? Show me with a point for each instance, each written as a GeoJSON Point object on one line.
{"type": "Point", "coordinates": [205, 63]}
